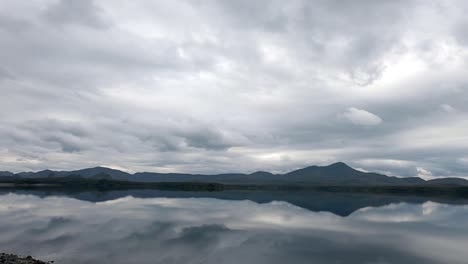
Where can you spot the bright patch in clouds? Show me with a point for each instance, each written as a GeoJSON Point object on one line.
{"type": "Point", "coordinates": [423, 173]}
{"type": "Point", "coordinates": [362, 117]}
{"type": "Point", "coordinates": [447, 108]}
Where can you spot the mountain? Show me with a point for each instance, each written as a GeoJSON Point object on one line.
{"type": "Point", "coordinates": [84, 173]}
{"type": "Point", "coordinates": [262, 174]}
{"type": "Point", "coordinates": [6, 174]}
{"type": "Point", "coordinates": [41, 174]}
{"type": "Point", "coordinates": [337, 174]}
{"type": "Point", "coordinates": [341, 174]}
{"type": "Point", "coordinates": [448, 181]}
{"type": "Point", "coordinates": [97, 171]}
{"type": "Point", "coordinates": [25, 174]}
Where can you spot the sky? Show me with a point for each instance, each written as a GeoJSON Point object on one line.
{"type": "Point", "coordinates": [206, 86]}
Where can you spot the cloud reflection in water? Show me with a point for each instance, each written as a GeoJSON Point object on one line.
{"type": "Point", "coordinates": [206, 230]}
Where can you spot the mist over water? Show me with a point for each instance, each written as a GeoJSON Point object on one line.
{"type": "Point", "coordinates": [210, 230]}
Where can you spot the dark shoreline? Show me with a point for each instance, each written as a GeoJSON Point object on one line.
{"type": "Point", "coordinates": [82, 184]}
{"type": "Point", "coordinates": [15, 259]}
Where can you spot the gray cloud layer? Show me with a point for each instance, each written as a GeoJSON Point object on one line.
{"type": "Point", "coordinates": [216, 86]}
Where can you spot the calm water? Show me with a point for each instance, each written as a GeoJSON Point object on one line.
{"type": "Point", "coordinates": [159, 227]}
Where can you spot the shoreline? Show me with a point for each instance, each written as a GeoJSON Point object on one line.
{"type": "Point", "coordinates": [15, 259]}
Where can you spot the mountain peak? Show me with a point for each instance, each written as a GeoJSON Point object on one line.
{"type": "Point", "coordinates": [338, 169]}
{"type": "Point", "coordinates": [100, 168]}
{"type": "Point", "coordinates": [339, 165]}
{"type": "Point", "coordinates": [261, 173]}
{"type": "Point", "coordinates": [46, 171]}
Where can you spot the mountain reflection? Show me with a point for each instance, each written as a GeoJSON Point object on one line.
{"type": "Point", "coordinates": [209, 230]}
{"type": "Point", "coordinates": [342, 204]}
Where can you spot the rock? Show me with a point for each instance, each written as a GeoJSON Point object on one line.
{"type": "Point", "coordinates": [14, 259]}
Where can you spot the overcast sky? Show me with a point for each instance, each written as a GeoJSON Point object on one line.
{"type": "Point", "coordinates": [221, 86]}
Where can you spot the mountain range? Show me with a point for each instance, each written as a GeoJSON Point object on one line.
{"type": "Point", "coordinates": [337, 174]}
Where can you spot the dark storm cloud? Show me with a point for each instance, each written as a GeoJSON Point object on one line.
{"type": "Point", "coordinates": [205, 86]}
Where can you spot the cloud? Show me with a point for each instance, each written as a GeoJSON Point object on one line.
{"type": "Point", "coordinates": [423, 173]}
{"type": "Point", "coordinates": [447, 108]}
{"type": "Point", "coordinates": [389, 166]}
{"type": "Point", "coordinates": [463, 160]}
{"type": "Point", "coordinates": [84, 12]}
{"type": "Point", "coordinates": [232, 82]}
{"type": "Point", "coordinates": [362, 117]}
{"type": "Point", "coordinates": [4, 74]}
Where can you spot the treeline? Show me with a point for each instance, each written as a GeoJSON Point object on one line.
{"type": "Point", "coordinates": [106, 183]}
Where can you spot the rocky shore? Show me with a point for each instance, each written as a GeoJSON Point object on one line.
{"type": "Point", "coordinates": [14, 259]}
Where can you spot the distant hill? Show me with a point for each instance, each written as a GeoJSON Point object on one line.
{"type": "Point", "coordinates": [337, 174]}
{"type": "Point", "coordinates": [448, 181]}
{"type": "Point", "coordinates": [341, 174]}
{"type": "Point", "coordinates": [6, 174]}
{"type": "Point", "coordinates": [84, 173]}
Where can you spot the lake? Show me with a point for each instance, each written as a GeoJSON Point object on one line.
{"type": "Point", "coordinates": [232, 227]}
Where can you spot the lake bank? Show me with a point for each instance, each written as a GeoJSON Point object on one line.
{"type": "Point", "coordinates": [15, 259]}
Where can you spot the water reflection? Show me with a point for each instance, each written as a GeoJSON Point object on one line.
{"type": "Point", "coordinates": [342, 204]}
{"type": "Point", "coordinates": [208, 230]}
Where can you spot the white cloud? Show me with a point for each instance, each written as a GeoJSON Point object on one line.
{"type": "Point", "coordinates": [362, 117]}
{"type": "Point", "coordinates": [423, 173]}
{"type": "Point", "coordinates": [386, 163]}
{"type": "Point", "coordinates": [448, 108]}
